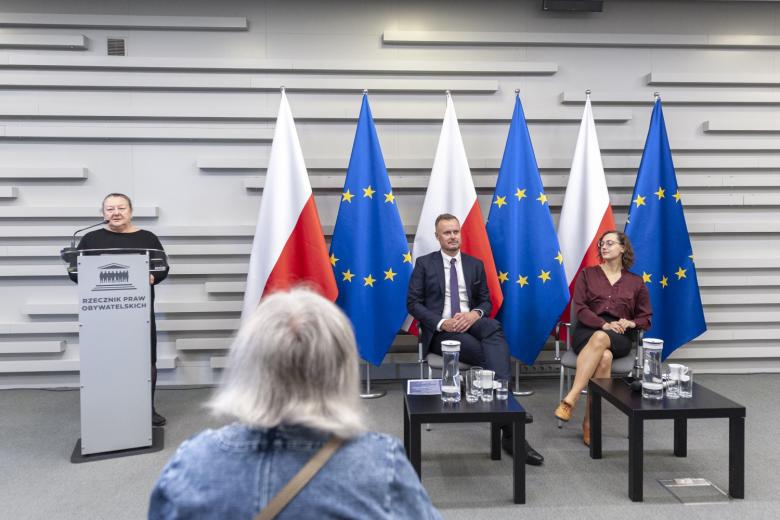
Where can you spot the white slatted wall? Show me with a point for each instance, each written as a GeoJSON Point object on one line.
{"type": "Point", "coordinates": [183, 124]}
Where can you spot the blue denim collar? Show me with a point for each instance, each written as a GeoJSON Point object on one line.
{"type": "Point", "coordinates": [241, 437]}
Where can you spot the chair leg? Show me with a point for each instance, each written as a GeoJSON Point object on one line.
{"type": "Point", "coordinates": [421, 358]}
{"type": "Point", "coordinates": [560, 385]}
{"type": "Point", "coordinates": [560, 392]}
{"type": "Point", "coordinates": [430, 376]}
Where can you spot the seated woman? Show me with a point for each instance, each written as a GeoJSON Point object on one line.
{"type": "Point", "coordinates": [608, 302]}
{"type": "Point", "coordinates": [292, 384]}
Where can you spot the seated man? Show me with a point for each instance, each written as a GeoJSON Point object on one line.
{"type": "Point", "coordinates": [449, 297]}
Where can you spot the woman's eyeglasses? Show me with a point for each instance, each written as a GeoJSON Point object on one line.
{"type": "Point", "coordinates": [607, 243]}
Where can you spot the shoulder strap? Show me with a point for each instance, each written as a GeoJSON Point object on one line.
{"type": "Point", "coordinates": [299, 481]}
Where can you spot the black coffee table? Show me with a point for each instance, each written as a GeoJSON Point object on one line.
{"type": "Point", "coordinates": [705, 404]}
{"type": "Point", "coordinates": [420, 409]}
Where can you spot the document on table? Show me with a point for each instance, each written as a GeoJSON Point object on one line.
{"type": "Point", "coordinates": [423, 386]}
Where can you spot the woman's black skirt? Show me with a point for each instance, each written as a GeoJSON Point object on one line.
{"type": "Point", "coordinates": [620, 344]}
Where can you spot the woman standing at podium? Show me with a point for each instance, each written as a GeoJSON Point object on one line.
{"type": "Point", "coordinates": [608, 303]}
{"type": "Point", "coordinates": [121, 233]}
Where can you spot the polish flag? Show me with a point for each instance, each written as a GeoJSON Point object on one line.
{"type": "Point", "coordinates": [451, 190]}
{"type": "Point", "coordinates": [586, 212]}
{"type": "Point", "coordinates": [289, 248]}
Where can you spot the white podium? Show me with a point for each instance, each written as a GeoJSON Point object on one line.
{"type": "Point", "coordinates": [114, 335]}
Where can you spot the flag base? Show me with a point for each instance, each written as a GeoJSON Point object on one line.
{"type": "Point", "coordinates": [368, 394]}
{"type": "Point", "coordinates": [521, 390]}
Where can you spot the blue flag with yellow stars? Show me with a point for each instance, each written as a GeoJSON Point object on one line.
{"type": "Point", "coordinates": [369, 251]}
{"type": "Point", "coordinates": [525, 247]}
{"type": "Point", "coordinates": [662, 247]}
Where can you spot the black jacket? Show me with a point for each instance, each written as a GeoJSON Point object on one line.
{"type": "Point", "coordinates": [425, 299]}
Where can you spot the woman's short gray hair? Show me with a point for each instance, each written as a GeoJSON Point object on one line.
{"type": "Point", "coordinates": [294, 361]}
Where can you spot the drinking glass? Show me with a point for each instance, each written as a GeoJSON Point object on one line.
{"type": "Point", "coordinates": [473, 387]}
{"type": "Point", "coordinates": [686, 382]}
{"type": "Point", "coordinates": [502, 389]}
{"type": "Point", "coordinates": [672, 381]}
{"type": "Point", "coordinates": [486, 382]}
{"type": "Point", "coordinates": [477, 372]}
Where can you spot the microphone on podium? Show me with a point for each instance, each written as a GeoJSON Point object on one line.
{"type": "Point", "coordinates": [67, 252]}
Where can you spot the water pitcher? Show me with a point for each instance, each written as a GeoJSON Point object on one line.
{"type": "Point", "coordinates": [450, 371]}
{"type": "Point", "coordinates": [652, 381]}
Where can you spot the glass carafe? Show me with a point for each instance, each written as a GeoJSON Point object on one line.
{"type": "Point", "coordinates": [652, 379]}
{"type": "Point", "coordinates": [450, 371]}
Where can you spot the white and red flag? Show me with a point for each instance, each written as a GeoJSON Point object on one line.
{"type": "Point", "coordinates": [289, 247]}
{"type": "Point", "coordinates": [451, 190]}
{"type": "Point", "coordinates": [586, 212]}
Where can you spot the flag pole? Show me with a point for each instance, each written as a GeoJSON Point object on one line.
{"type": "Point", "coordinates": [521, 390]}
{"type": "Point", "coordinates": [587, 98]}
{"type": "Point", "coordinates": [368, 394]}
{"type": "Point", "coordinates": [636, 372]}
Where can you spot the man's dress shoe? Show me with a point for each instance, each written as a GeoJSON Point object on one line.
{"type": "Point", "coordinates": [532, 457]}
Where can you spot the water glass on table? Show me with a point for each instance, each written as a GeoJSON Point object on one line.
{"type": "Point", "coordinates": [502, 389]}
{"type": "Point", "coordinates": [672, 381]}
{"type": "Point", "coordinates": [686, 382]}
{"type": "Point", "coordinates": [486, 382]}
{"type": "Point", "coordinates": [473, 386]}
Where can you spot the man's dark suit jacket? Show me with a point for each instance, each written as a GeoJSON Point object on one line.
{"type": "Point", "coordinates": [425, 299]}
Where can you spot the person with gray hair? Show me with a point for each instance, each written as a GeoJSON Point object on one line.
{"type": "Point", "coordinates": [121, 233]}
{"type": "Point", "coordinates": [292, 385]}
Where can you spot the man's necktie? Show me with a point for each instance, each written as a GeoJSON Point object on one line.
{"type": "Point", "coordinates": [454, 293]}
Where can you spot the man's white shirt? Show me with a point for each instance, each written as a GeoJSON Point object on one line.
{"type": "Point", "coordinates": [462, 294]}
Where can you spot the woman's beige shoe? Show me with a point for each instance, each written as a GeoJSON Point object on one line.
{"type": "Point", "coordinates": [564, 411]}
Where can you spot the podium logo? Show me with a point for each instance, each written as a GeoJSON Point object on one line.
{"type": "Point", "coordinates": [114, 277]}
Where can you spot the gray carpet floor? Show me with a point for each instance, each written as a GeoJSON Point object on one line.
{"type": "Point", "coordinates": [39, 428]}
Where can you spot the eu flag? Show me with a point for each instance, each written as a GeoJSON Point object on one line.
{"type": "Point", "coordinates": [369, 251]}
{"type": "Point", "coordinates": [664, 257]}
{"type": "Point", "coordinates": [525, 247]}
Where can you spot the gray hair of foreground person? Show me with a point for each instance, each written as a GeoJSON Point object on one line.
{"type": "Point", "coordinates": [294, 362]}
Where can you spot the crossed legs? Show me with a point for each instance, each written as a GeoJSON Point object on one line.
{"type": "Point", "coordinates": [594, 360]}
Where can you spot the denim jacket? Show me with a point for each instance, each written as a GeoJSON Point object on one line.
{"type": "Point", "coordinates": [235, 471]}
